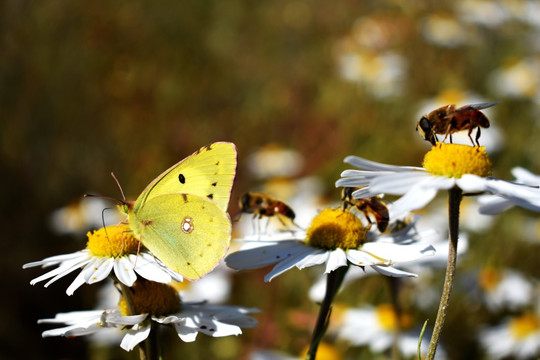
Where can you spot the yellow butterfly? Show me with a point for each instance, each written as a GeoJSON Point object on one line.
{"type": "Point", "coordinates": [181, 216]}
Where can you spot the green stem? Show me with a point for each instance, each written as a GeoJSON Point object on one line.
{"type": "Point", "coordinates": [333, 283]}
{"type": "Point", "coordinates": [454, 201]}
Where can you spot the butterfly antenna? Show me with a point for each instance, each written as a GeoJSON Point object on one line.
{"type": "Point", "coordinates": [103, 220]}
{"type": "Point", "coordinates": [119, 186]}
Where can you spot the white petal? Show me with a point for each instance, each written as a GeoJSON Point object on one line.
{"type": "Point", "coordinates": [265, 255]}
{"type": "Point", "coordinates": [98, 269]}
{"type": "Point", "coordinates": [399, 253]}
{"type": "Point", "coordinates": [187, 334]}
{"type": "Point", "coordinates": [134, 337]}
{"type": "Point", "coordinates": [221, 329]}
{"type": "Point", "coordinates": [415, 199]}
{"type": "Point", "coordinates": [53, 260]}
{"type": "Point", "coordinates": [361, 258]}
{"type": "Point", "coordinates": [336, 259]}
{"type": "Point", "coordinates": [315, 257]}
{"type": "Point", "coordinates": [353, 178]}
{"type": "Point", "coordinates": [73, 317]}
{"type": "Point", "coordinates": [364, 164]}
{"type": "Point", "coordinates": [112, 318]}
{"type": "Point", "coordinates": [472, 183]}
{"type": "Point", "coordinates": [398, 183]}
{"type": "Point", "coordinates": [62, 270]}
{"type": "Point", "coordinates": [364, 193]}
{"type": "Point", "coordinates": [77, 283]}
{"type": "Point", "coordinates": [146, 267]}
{"type": "Point", "coordinates": [307, 257]}
{"type": "Point", "coordinates": [493, 204]}
{"type": "Point", "coordinates": [392, 271]}
{"type": "Point", "coordinates": [525, 176]}
{"type": "Point", "coordinates": [520, 195]}
{"type": "Point", "coordinates": [72, 330]}
{"type": "Point", "coordinates": [123, 269]}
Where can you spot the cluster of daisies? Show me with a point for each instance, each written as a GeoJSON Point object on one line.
{"type": "Point", "coordinates": [149, 294]}
{"type": "Point", "coordinates": [341, 238]}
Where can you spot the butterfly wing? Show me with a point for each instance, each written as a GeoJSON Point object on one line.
{"type": "Point", "coordinates": [208, 173]}
{"type": "Point", "coordinates": [186, 232]}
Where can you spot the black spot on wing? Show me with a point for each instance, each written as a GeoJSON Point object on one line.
{"type": "Point", "coordinates": [214, 184]}
{"type": "Point", "coordinates": [210, 196]}
{"type": "Point", "coordinates": [181, 178]}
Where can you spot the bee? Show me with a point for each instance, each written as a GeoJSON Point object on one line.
{"type": "Point", "coordinates": [263, 205]}
{"type": "Point", "coordinates": [448, 120]}
{"type": "Point", "coordinates": [373, 205]}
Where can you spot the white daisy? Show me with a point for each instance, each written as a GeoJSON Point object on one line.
{"type": "Point", "coordinates": [159, 304]}
{"type": "Point", "coordinates": [446, 166]}
{"type": "Point", "coordinates": [376, 328]}
{"type": "Point", "coordinates": [428, 237]}
{"type": "Point", "coordinates": [493, 204]}
{"type": "Point", "coordinates": [335, 237]}
{"type": "Point", "coordinates": [504, 289]}
{"type": "Point", "coordinates": [113, 248]}
{"type": "Point", "coordinates": [518, 337]}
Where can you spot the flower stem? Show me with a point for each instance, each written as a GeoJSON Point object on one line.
{"type": "Point", "coordinates": [454, 200]}
{"type": "Point", "coordinates": [148, 350]}
{"type": "Point", "coordinates": [333, 283]}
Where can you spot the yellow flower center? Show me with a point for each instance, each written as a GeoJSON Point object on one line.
{"type": "Point", "coordinates": [489, 278]}
{"type": "Point", "coordinates": [523, 326]}
{"type": "Point", "coordinates": [325, 351]}
{"type": "Point", "coordinates": [336, 228]}
{"type": "Point", "coordinates": [112, 241]}
{"type": "Point", "coordinates": [387, 317]}
{"type": "Point", "coordinates": [149, 297]}
{"type": "Point", "coordinates": [454, 160]}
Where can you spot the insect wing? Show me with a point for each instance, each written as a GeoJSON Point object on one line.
{"type": "Point", "coordinates": [473, 107]}
{"type": "Point", "coordinates": [208, 173]}
{"type": "Point", "coordinates": [191, 239]}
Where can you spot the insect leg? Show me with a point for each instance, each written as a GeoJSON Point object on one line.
{"type": "Point", "coordinates": [477, 136]}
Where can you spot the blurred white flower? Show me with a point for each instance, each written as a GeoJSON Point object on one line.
{"type": "Point", "coordinates": [82, 215]}
{"type": "Point", "coordinates": [376, 327]}
{"type": "Point", "coordinates": [504, 289]}
{"type": "Point", "coordinates": [518, 78]}
{"type": "Point", "coordinates": [483, 12]}
{"type": "Point", "coordinates": [273, 160]}
{"type": "Point", "coordinates": [445, 30]}
{"type": "Point", "coordinates": [517, 336]}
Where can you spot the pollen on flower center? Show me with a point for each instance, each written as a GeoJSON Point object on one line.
{"type": "Point", "coordinates": [454, 160]}
{"type": "Point", "coordinates": [336, 228]}
{"type": "Point", "coordinates": [112, 241]}
{"type": "Point", "coordinates": [524, 325]}
{"type": "Point", "coordinates": [149, 297]}
{"type": "Point", "coordinates": [387, 317]}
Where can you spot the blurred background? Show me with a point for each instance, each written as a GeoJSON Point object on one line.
{"type": "Point", "coordinates": [132, 87]}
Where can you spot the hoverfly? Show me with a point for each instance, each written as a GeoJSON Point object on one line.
{"type": "Point", "coordinates": [447, 120]}
{"type": "Point", "coordinates": [373, 205]}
